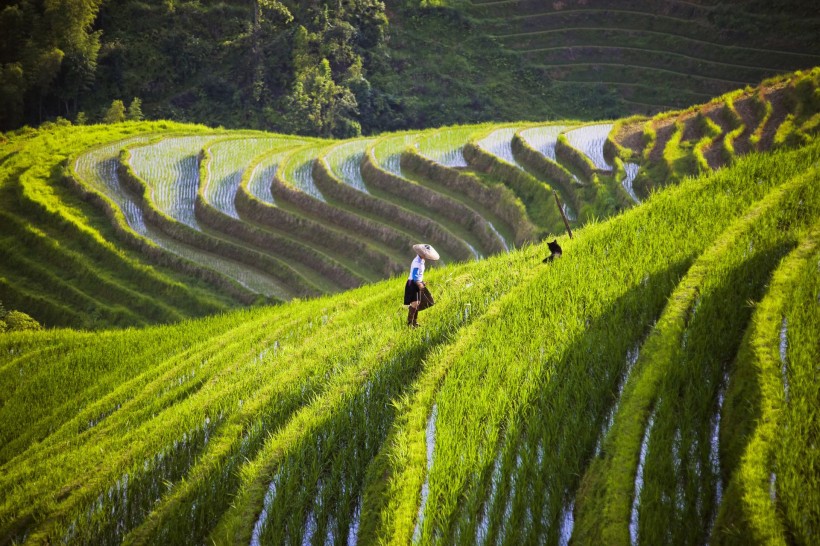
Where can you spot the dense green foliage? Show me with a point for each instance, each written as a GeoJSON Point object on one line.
{"type": "Point", "coordinates": [340, 68]}
{"type": "Point", "coordinates": [16, 321]}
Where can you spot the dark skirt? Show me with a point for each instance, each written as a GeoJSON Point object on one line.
{"type": "Point", "coordinates": [411, 292]}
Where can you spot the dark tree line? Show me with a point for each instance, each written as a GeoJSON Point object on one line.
{"type": "Point", "coordinates": [297, 66]}
{"type": "Point", "coordinates": [48, 57]}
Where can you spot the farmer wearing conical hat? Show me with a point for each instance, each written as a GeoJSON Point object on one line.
{"type": "Point", "coordinates": [414, 288]}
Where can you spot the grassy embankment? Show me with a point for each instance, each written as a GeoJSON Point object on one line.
{"type": "Point", "coordinates": [252, 425]}
{"type": "Point", "coordinates": [45, 225]}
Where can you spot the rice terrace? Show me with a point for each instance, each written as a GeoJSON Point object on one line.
{"type": "Point", "coordinates": [202, 336]}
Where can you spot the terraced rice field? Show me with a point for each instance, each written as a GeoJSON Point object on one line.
{"type": "Point", "coordinates": [543, 138]}
{"type": "Point", "coordinates": [499, 143]}
{"type": "Point", "coordinates": [299, 171]}
{"type": "Point", "coordinates": [653, 56]}
{"type": "Point", "coordinates": [590, 140]}
{"type": "Point", "coordinates": [577, 401]}
{"type": "Point", "coordinates": [630, 173]}
{"type": "Point", "coordinates": [170, 167]}
{"type": "Point", "coordinates": [99, 169]}
{"type": "Point", "coordinates": [261, 178]}
{"type": "Point", "coordinates": [661, 149]}
{"type": "Point", "coordinates": [345, 160]}
{"type": "Point", "coordinates": [387, 151]}
{"type": "Point", "coordinates": [445, 146]}
{"type": "Point", "coordinates": [656, 384]}
{"type": "Point", "coordinates": [458, 204]}
{"type": "Point", "coordinates": [230, 157]}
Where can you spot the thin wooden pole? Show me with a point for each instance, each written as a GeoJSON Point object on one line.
{"type": "Point", "coordinates": [561, 210]}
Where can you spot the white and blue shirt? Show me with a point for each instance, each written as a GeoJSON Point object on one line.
{"type": "Point", "coordinates": [417, 269]}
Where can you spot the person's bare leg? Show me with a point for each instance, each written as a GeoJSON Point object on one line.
{"type": "Point", "coordinates": [411, 314]}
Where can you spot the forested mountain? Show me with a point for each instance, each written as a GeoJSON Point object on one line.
{"type": "Point", "coordinates": [344, 67]}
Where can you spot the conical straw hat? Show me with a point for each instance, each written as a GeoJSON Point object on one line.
{"type": "Point", "coordinates": [426, 251]}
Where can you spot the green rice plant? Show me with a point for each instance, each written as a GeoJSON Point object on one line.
{"type": "Point", "coordinates": [543, 139]}
{"type": "Point", "coordinates": [682, 486]}
{"type": "Point", "coordinates": [710, 132]}
{"type": "Point", "coordinates": [793, 459]}
{"type": "Point", "coordinates": [214, 480]}
{"type": "Point", "coordinates": [229, 159]}
{"type": "Point", "coordinates": [535, 149]}
{"type": "Point", "coordinates": [476, 424]}
{"type": "Point", "coordinates": [413, 224]}
{"type": "Point", "coordinates": [616, 144]}
{"type": "Point", "coordinates": [766, 115]}
{"type": "Point", "coordinates": [387, 151]}
{"type": "Point", "coordinates": [255, 201]}
{"type": "Point", "coordinates": [337, 349]}
{"type": "Point", "coordinates": [574, 160]}
{"type": "Point", "coordinates": [88, 289]}
{"type": "Point", "coordinates": [44, 200]}
{"type": "Point", "coordinates": [506, 213]}
{"type": "Point", "coordinates": [345, 161]}
{"type": "Point", "coordinates": [56, 312]}
{"type": "Point", "coordinates": [608, 488]}
{"type": "Point", "coordinates": [314, 266]}
{"type": "Point", "coordinates": [728, 153]}
{"type": "Point", "coordinates": [350, 221]}
{"type": "Point", "coordinates": [679, 157]}
{"type": "Point", "coordinates": [298, 457]}
{"type": "Point", "coordinates": [81, 397]}
{"type": "Point", "coordinates": [767, 389]}
{"type": "Point", "coordinates": [613, 395]}
{"type": "Point", "coordinates": [452, 213]}
{"type": "Point", "coordinates": [535, 194]}
{"type": "Point", "coordinates": [203, 366]}
{"type": "Point", "coordinates": [590, 140]}
{"type": "Point", "coordinates": [445, 145]}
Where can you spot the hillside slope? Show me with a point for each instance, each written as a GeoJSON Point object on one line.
{"type": "Point", "coordinates": [656, 379]}
{"type": "Point", "coordinates": [395, 65]}
{"type": "Point", "coordinates": [244, 216]}
{"type": "Point", "coordinates": [643, 56]}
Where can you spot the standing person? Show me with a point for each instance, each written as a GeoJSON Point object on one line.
{"type": "Point", "coordinates": [415, 282]}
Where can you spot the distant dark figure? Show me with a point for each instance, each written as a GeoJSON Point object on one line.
{"type": "Point", "coordinates": [416, 295]}
{"type": "Point", "coordinates": [555, 250]}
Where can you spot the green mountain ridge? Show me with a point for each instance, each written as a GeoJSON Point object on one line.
{"type": "Point", "coordinates": [391, 66]}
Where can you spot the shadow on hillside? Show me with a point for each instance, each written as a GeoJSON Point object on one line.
{"type": "Point", "coordinates": [548, 444]}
